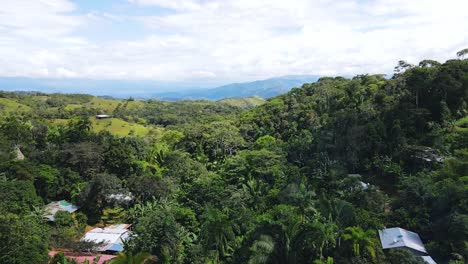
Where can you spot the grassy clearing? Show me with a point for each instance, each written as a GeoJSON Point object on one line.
{"type": "Point", "coordinates": [10, 106]}
{"type": "Point", "coordinates": [119, 127]}
{"type": "Point", "coordinates": [245, 103]}
{"type": "Point", "coordinates": [116, 127]}
{"type": "Point", "coordinates": [104, 104]}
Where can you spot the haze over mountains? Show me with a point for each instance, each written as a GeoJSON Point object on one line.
{"type": "Point", "coordinates": [154, 89]}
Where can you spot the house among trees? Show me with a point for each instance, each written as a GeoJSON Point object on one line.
{"type": "Point", "coordinates": [52, 208]}
{"type": "Point", "coordinates": [112, 237]}
{"type": "Point", "coordinates": [400, 238]}
{"type": "Point", "coordinates": [102, 116]}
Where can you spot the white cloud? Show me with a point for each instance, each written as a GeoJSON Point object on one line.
{"type": "Point", "coordinates": [231, 40]}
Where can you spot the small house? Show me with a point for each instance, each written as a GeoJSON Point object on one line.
{"type": "Point", "coordinates": [102, 116]}
{"type": "Point", "coordinates": [52, 208]}
{"type": "Point", "coordinates": [400, 238]}
{"type": "Point", "coordinates": [111, 236]}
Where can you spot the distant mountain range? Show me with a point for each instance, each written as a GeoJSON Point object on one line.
{"type": "Point", "coordinates": [160, 90]}
{"type": "Point", "coordinates": [264, 88]}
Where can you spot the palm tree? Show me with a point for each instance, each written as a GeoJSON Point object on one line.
{"type": "Point", "coordinates": [361, 239]}
{"type": "Point", "coordinates": [217, 233]}
{"type": "Point", "coordinates": [129, 258]}
{"type": "Point", "coordinates": [325, 235]}
{"type": "Point", "coordinates": [293, 243]}
{"type": "Point", "coordinates": [262, 249]}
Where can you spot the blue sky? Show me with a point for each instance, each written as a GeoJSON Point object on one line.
{"type": "Point", "coordinates": [209, 42]}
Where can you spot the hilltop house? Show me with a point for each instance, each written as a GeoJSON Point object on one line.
{"type": "Point", "coordinates": [52, 208]}
{"type": "Point", "coordinates": [102, 116]}
{"type": "Point", "coordinates": [400, 238]}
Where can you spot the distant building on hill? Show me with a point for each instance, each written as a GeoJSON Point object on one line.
{"type": "Point", "coordinates": [400, 238]}
{"type": "Point", "coordinates": [102, 116]}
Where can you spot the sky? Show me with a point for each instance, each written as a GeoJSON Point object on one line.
{"type": "Point", "coordinates": [222, 41]}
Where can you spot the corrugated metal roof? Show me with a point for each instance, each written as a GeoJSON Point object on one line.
{"type": "Point", "coordinates": [428, 260]}
{"type": "Point", "coordinates": [399, 237]}
{"type": "Point", "coordinates": [53, 207]}
{"type": "Point", "coordinates": [111, 236]}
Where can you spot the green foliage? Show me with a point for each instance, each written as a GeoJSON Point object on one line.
{"type": "Point", "coordinates": [245, 103]}
{"type": "Point", "coordinates": [23, 239]}
{"type": "Point", "coordinates": [63, 218]}
{"type": "Point", "coordinates": [362, 241]}
{"type": "Point", "coordinates": [403, 256]}
{"type": "Point", "coordinates": [17, 197]}
{"type": "Point", "coordinates": [308, 176]}
{"type": "Point", "coordinates": [129, 258]}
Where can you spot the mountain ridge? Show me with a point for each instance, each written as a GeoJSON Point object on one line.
{"type": "Point", "coordinates": [144, 89]}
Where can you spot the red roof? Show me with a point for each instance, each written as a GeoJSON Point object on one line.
{"type": "Point", "coordinates": [82, 257]}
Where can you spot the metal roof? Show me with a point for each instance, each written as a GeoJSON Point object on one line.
{"type": "Point", "coordinates": [112, 236]}
{"type": "Point", "coordinates": [53, 207]}
{"type": "Point", "coordinates": [398, 237]}
{"type": "Point", "coordinates": [428, 259]}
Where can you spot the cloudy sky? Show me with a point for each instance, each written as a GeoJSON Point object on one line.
{"type": "Point", "coordinates": [221, 41]}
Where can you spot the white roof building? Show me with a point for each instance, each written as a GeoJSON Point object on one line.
{"type": "Point", "coordinates": [112, 236]}
{"type": "Point", "coordinates": [398, 237]}
{"type": "Point", "coordinates": [428, 260]}
{"type": "Point", "coordinates": [102, 116]}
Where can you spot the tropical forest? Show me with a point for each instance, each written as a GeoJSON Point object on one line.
{"type": "Point", "coordinates": [310, 176]}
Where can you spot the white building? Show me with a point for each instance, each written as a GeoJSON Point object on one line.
{"type": "Point", "coordinates": [400, 238]}
{"type": "Point", "coordinates": [112, 236]}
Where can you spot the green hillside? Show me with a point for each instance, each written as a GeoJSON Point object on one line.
{"type": "Point", "coordinates": [120, 127]}
{"type": "Point", "coordinates": [244, 103]}
{"type": "Point", "coordinates": [10, 106]}
{"type": "Point", "coordinates": [310, 176]}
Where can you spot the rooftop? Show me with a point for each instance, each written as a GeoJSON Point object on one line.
{"type": "Point", "coordinates": [399, 237]}
{"type": "Point", "coordinates": [82, 257]}
{"type": "Point", "coordinates": [428, 259]}
{"type": "Point", "coordinates": [53, 207]}
{"type": "Point", "coordinates": [112, 236]}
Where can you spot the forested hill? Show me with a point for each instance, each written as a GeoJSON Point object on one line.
{"type": "Point", "coordinates": [306, 177]}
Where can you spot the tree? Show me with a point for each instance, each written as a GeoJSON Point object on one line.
{"type": "Point", "coordinates": [157, 231]}
{"type": "Point", "coordinates": [262, 249]}
{"type": "Point", "coordinates": [362, 241]}
{"type": "Point", "coordinates": [403, 256]}
{"type": "Point", "coordinates": [23, 239]}
{"type": "Point", "coordinates": [119, 158]}
{"type": "Point", "coordinates": [461, 54]}
{"type": "Point", "coordinates": [79, 129]}
{"type": "Point", "coordinates": [17, 197]}
{"type": "Point", "coordinates": [139, 258]}
{"type": "Point", "coordinates": [17, 130]}
{"type": "Point", "coordinates": [217, 233]}
{"type": "Point", "coordinates": [221, 139]}
{"type": "Point", "coordinates": [402, 67]}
